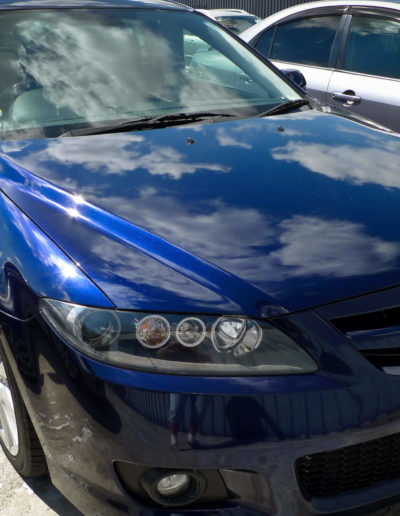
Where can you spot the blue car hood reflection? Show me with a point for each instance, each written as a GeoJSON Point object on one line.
{"type": "Point", "coordinates": [230, 217]}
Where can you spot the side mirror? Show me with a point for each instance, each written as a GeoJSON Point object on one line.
{"type": "Point", "coordinates": [295, 76]}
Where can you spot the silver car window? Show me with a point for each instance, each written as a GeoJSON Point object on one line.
{"type": "Point", "coordinates": [373, 46]}
{"type": "Point", "coordinates": [263, 43]}
{"type": "Point", "coordinates": [306, 41]}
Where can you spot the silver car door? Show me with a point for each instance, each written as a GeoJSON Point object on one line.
{"type": "Point", "coordinates": [367, 81]}
{"type": "Point", "coordinates": [305, 43]}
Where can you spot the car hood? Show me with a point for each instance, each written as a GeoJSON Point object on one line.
{"type": "Point", "coordinates": [235, 217]}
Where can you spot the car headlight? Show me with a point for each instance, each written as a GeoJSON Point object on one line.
{"type": "Point", "coordinates": [178, 344]}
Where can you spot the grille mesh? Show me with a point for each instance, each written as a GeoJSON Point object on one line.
{"type": "Point", "coordinates": [326, 474]}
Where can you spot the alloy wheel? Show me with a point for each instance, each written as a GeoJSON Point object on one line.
{"type": "Point", "coordinates": [8, 420]}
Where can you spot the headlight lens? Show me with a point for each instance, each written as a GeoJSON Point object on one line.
{"type": "Point", "coordinates": [178, 344]}
{"type": "Point", "coordinates": [96, 329]}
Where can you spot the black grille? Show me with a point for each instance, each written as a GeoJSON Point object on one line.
{"type": "Point", "coordinates": [375, 334]}
{"type": "Point", "coordinates": [368, 321]}
{"type": "Point", "coordinates": [332, 473]}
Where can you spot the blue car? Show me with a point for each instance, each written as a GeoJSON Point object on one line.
{"type": "Point", "coordinates": [200, 268]}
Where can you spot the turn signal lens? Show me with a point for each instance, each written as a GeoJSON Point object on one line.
{"type": "Point", "coordinates": [153, 331]}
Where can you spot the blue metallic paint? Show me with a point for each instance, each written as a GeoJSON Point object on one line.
{"type": "Point", "coordinates": [314, 222]}
{"type": "Point", "coordinates": [75, 219]}
{"type": "Point", "coordinates": [32, 266]}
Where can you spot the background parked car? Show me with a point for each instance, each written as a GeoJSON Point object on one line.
{"type": "Point", "coordinates": [236, 20]}
{"type": "Point", "coordinates": [348, 51]}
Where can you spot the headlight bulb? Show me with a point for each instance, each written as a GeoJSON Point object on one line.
{"type": "Point", "coordinates": [250, 341]}
{"type": "Point", "coordinates": [234, 333]}
{"type": "Point", "coordinates": [227, 332]}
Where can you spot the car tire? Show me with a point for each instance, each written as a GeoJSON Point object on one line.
{"type": "Point", "coordinates": [23, 450]}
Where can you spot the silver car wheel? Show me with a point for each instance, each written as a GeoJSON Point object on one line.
{"type": "Point", "coordinates": [8, 420]}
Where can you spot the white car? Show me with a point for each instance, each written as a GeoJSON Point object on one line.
{"type": "Point", "coordinates": [347, 50]}
{"type": "Point", "coordinates": [236, 20]}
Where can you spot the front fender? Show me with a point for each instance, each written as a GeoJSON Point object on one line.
{"type": "Point", "coordinates": [33, 266]}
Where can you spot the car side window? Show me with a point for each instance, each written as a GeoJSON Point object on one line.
{"type": "Point", "coordinates": [263, 43]}
{"type": "Point", "coordinates": [373, 46]}
{"type": "Point", "coordinates": [306, 41]}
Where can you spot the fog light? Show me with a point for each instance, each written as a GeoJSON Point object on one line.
{"type": "Point", "coordinates": [173, 485]}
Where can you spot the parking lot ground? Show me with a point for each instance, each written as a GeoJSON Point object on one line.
{"type": "Point", "coordinates": [39, 497]}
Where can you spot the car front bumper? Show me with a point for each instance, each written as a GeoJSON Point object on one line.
{"type": "Point", "coordinates": [91, 417]}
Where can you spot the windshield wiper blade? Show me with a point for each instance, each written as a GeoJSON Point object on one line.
{"type": "Point", "coordinates": [285, 107]}
{"type": "Point", "coordinates": [148, 122]}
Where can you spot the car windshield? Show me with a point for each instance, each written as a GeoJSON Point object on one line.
{"type": "Point", "coordinates": [238, 24]}
{"type": "Point", "coordinates": [67, 69]}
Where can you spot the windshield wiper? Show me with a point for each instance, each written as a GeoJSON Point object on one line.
{"type": "Point", "coordinates": [285, 107]}
{"type": "Point", "coordinates": [148, 122]}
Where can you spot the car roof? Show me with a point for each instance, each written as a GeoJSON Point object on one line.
{"type": "Point", "coordinates": [225, 12]}
{"type": "Point", "coordinates": [63, 4]}
{"type": "Point", "coordinates": [248, 34]}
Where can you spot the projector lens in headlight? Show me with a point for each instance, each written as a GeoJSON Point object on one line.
{"type": "Point", "coordinates": [190, 331]}
{"type": "Point", "coordinates": [179, 344]}
{"type": "Point", "coordinates": [98, 330]}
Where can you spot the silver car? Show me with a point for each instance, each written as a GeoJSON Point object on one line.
{"type": "Point", "coordinates": [348, 52]}
{"type": "Point", "coordinates": [236, 20]}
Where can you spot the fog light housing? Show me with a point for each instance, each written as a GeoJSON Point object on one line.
{"type": "Point", "coordinates": [174, 488]}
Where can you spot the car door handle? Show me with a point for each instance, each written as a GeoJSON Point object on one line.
{"type": "Point", "coordinates": [349, 97]}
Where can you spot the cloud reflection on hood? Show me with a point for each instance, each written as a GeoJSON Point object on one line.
{"type": "Point", "coordinates": [335, 248]}
{"type": "Point", "coordinates": [279, 227]}
{"type": "Point", "coordinates": [122, 157]}
{"type": "Point", "coordinates": [361, 164]}
{"type": "Point", "coordinates": [267, 251]}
